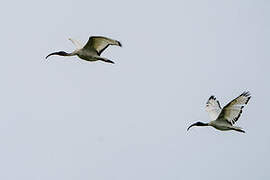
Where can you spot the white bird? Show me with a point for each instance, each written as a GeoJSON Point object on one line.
{"type": "Point", "coordinates": [224, 118]}
{"type": "Point", "coordinates": [92, 50]}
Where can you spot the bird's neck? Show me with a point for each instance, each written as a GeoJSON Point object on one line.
{"type": "Point", "coordinates": [74, 53]}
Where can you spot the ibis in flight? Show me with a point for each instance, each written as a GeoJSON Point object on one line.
{"type": "Point", "coordinates": [224, 118]}
{"type": "Point", "coordinates": [92, 50]}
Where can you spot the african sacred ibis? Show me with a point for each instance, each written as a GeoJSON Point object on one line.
{"type": "Point", "coordinates": [224, 118]}
{"type": "Point", "coordinates": [92, 50]}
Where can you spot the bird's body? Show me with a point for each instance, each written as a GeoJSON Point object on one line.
{"type": "Point", "coordinates": [223, 125]}
{"type": "Point", "coordinates": [92, 50]}
{"type": "Point", "coordinates": [88, 55]}
{"type": "Point", "coordinates": [224, 118]}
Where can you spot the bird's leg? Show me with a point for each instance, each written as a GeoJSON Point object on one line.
{"type": "Point", "coordinates": [106, 60]}
{"type": "Point", "coordinates": [238, 129]}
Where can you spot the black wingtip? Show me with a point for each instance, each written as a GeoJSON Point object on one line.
{"type": "Point", "coordinates": [119, 43]}
{"type": "Point", "coordinates": [246, 93]}
{"type": "Point", "coordinates": [212, 97]}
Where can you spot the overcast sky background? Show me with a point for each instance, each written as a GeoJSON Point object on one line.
{"type": "Point", "coordinates": [69, 119]}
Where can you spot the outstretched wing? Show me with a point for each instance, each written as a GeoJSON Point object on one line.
{"type": "Point", "coordinates": [232, 111]}
{"type": "Point", "coordinates": [213, 107]}
{"type": "Point", "coordinates": [76, 43]}
{"type": "Point", "coordinates": [100, 43]}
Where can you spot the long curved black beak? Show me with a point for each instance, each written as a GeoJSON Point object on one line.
{"type": "Point", "coordinates": [59, 53]}
{"type": "Point", "coordinates": [55, 53]}
{"type": "Point", "coordinates": [191, 126]}
{"type": "Point", "coordinates": [198, 124]}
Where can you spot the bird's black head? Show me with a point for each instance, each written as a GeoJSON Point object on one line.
{"type": "Point", "coordinates": [59, 53]}
{"type": "Point", "coordinates": [197, 124]}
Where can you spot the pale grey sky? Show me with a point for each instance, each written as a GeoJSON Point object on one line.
{"type": "Point", "coordinates": [68, 119]}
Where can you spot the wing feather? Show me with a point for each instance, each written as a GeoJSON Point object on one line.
{"type": "Point", "coordinates": [213, 107]}
{"type": "Point", "coordinates": [233, 110]}
{"type": "Point", "coordinates": [100, 43]}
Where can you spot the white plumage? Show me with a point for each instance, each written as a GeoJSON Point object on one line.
{"type": "Point", "coordinates": [92, 50]}
{"type": "Point", "coordinates": [225, 118]}
{"type": "Point", "coordinates": [213, 107]}
{"type": "Point", "coordinates": [232, 111]}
